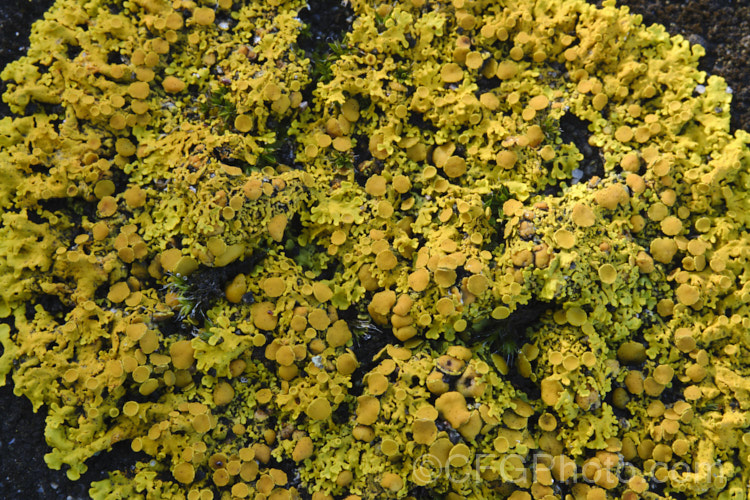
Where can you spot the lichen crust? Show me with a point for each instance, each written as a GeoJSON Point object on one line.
{"type": "Point", "coordinates": [466, 249]}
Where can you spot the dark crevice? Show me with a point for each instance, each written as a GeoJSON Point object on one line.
{"type": "Point", "coordinates": [325, 23]}
{"type": "Point", "coordinates": [223, 154]}
{"type": "Point", "coordinates": [133, 394]}
{"type": "Point", "coordinates": [362, 173]}
{"type": "Point", "coordinates": [328, 273]}
{"type": "Point", "coordinates": [367, 169]}
{"type": "Point", "coordinates": [291, 469]}
{"type": "Point", "coordinates": [34, 217]}
{"type": "Point", "coordinates": [174, 326]}
{"type": "Point", "coordinates": [416, 119]}
{"type": "Point", "coordinates": [121, 457]}
{"type": "Point", "coordinates": [341, 415]}
{"type": "Point", "coordinates": [622, 414]}
{"type": "Point", "coordinates": [524, 385]}
{"type": "Point", "coordinates": [23, 472]}
{"type": "Point", "coordinates": [204, 286]}
{"type": "Point", "coordinates": [119, 178]}
{"type": "Point", "coordinates": [484, 84]}
{"type": "Point", "coordinates": [101, 292]}
{"type": "Point", "coordinates": [506, 337]}
{"type": "Point", "coordinates": [361, 150]}
{"type": "Point", "coordinates": [673, 393]}
{"type": "Point", "coordinates": [423, 493]}
{"type": "Point", "coordinates": [369, 340]}
{"type": "Point", "coordinates": [114, 58]}
{"type": "Point", "coordinates": [493, 201]}
{"type": "Point", "coordinates": [29, 311]}
{"type": "Point", "coordinates": [575, 130]}
{"type": "Point", "coordinates": [443, 426]}
{"type": "Point", "coordinates": [52, 304]}
{"type": "Point", "coordinates": [293, 230]}
{"type": "Point", "coordinates": [73, 51]}
{"type": "Point", "coordinates": [16, 18]}
{"type": "Point", "coordinates": [304, 256]}
{"type": "Point", "coordinates": [225, 21]}
{"type": "Point", "coordinates": [282, 151]}
{"type": "Point", "coordinates": [76, 209]}
{"type": "Point", "coordinates": [44, 108]}
{"type": "Point", "coordinates": [39, 168]}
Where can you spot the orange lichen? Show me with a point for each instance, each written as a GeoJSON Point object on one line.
{"type": "Point", "coordinates": [263, 316]}
{"type": "Point", "coordinates": [319, 409]}
{"type": "Point", "coordinates": [247, 257]}
{"type": "Point", "coordinates": [452, 407]}
{"type": "Point", "coordinates": [612, 196]}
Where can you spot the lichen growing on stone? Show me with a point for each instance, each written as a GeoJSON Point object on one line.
{"type": "Point", "coordinates": [479, 249]}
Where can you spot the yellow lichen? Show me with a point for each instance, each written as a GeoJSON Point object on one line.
{"type": "Point", "coordinates": [230, 256]}
{"type": "Point", "coordinates": [452, 407]}
{"type": "Point", "coordinates": [319, 409]}
{"type": "Point", "coordinates": [583, 216]}
{"type": "Point", "coordinates": [612, 196]}
{"type": "Point", "coordinates": [173, 84]}
{"type": "Point", "coordinates": [204, 16]}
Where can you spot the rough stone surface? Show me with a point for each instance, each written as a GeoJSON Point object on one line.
{"type": "Point", "coordinates": [16, 17]}
{"type": "Point", "coordinates": [722, 27]}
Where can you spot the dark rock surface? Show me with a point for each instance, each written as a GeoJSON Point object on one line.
{"type": "Point", "coordinates": [721, 26]}
{"type": "Point", "coordinates": [16, 17]}
{"type": "Point", "coordinates": [23, 473]}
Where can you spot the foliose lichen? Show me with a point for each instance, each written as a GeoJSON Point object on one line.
{"type": "Point", "coordinates": [477, 249]}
